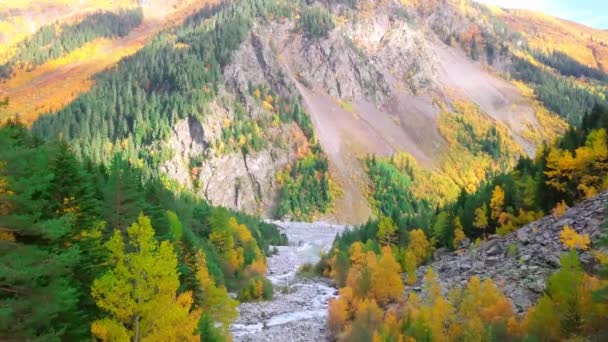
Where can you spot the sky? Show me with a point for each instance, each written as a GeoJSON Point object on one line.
{"type": "Point", "coordinates": [592, 13]}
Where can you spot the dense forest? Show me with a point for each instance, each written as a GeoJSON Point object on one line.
{"type": "Point", "coordinates": [574, 168]}
{"type": "Point", "coordinates": [316, 22]}
{"type": "Point", "coordinates": [559, 94]}
{"type": "Point", "coordinates": [53, 41]}
{"type": "Point", "coordinates": [79, 238]}
{"type": "Point", "coordinates": [148, 92]}
{"type": "Point", "coordinates": [567, 66]}
{"type": "Point", "coordinates": [368, 309]}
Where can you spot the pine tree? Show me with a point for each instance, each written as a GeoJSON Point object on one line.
{"type": "Point", "coordinates": [38, 296]}
{"type": "Point", "coordinates": [123, 195]}
{"type": "Point", "coordinates": [71, 191]}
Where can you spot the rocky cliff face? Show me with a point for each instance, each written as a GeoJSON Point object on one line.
{"type": "Point", "coordinates": [230, 178]}
{"type": "Point", "coordinates": [522, 261]}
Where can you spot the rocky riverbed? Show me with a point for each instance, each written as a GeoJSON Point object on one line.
{"type": "Point", "coordinates": [298, 310]}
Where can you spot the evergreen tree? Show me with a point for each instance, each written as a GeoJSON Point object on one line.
{"type": "Point", "coordinates": [123, 195]}
{"type": "Point", "coordinates": [38, 297]}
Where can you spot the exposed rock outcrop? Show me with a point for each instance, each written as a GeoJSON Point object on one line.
{"type": "Point", "coordinates": [245, 182]}
{"type": "Point", "coordinates": [522, 261]}
{"type": "Point", "coordinates": [395, 48]}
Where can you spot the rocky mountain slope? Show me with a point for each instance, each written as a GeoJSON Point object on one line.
{"type": "Point", "coordinates": [376, 85]}
{"type": "Point", "coordinates": [522, 261]}
{"type": "Point", "coordinates": [428, 79]}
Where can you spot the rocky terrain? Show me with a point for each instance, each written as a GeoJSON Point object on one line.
{"type": "Point", "coordinates": [298, 311]}
{"type": "Point", "coordinates": [522, 261]}
{"type": "Point", "coordinates": [198, 164]}
{"type": "Point", "coordinates": [374, 85]}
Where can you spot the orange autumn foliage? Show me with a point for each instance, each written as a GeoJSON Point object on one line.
{"type": "Point", "coordinates": [586, 45]}
{"type": "Point", "coordinates": [53, 85]}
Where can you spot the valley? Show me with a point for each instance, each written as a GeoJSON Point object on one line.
{"type": "Point", "coordinates": [303, 170]}
{"type": "Point", "coordinates": [298, 311]}
{"type": "Point", "coordinates": [521, 261]}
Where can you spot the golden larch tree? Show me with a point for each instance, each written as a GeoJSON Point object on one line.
{"type": "Point", "coordinates": [497, 202]}
{"type": "Point", "coordinates": [139, 292]}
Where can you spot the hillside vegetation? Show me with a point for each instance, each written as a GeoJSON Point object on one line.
{"type": "Point", "coordinates": [366, 262]}
{"type": "Point", "coordinates": [47, 77]}
{"type": "Point", "coordinates": [583, 44]}
{"type": "Point", "coordinates": [100, 250]}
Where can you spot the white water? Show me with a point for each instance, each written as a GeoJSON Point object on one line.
{"type": "Point", "coordinates": [298, 310]}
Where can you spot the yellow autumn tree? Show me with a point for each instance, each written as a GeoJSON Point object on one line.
{"type": "Point", "coordinates": [141, 284]}
{"type": "Point", "coordinates": [459, 235]}
{"type": "Point", "coordinates": [357, 254]}
{"type": "Point", "coordinates": [481, 219]}
{"type": "Point", "coordinates": [387, 230]}
{"type": "Point", "coordinates": [368, 319]}
{"type": "Point", "coordinates": [497, 202]}
{"type": "Point", "coordinates": [387, 285]}
{"type": "Point", "coordinates": [571, 239]}
{"type": "Point", "coordinates": [560, 168]}
{"type": "Point", "coordinates": [360, 279]}
{"type": "Point", "coordinates": [480, 304]}
{"type": "Point", "coordinates": [409, 266]}
{"type": "Point", "coordinates": [436, 313]}
{"type": "Point", "coordinates": [419, 246]}
{"type": "Point", "coordinates": [340, 311]}
{"type": "Point", "coordinates": [560, 209]}
{"type": "Point", "coordinates": [585, 167]}
{"type": "Point", "coordinates": [567, 309]}
{"type": "Point", "coordinates": [214, 299]}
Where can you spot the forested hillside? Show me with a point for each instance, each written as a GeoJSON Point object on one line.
{"type": "Point", "coordinates": [366, 262]}
{"type": "Point", "coordinates": [136, 104]}
{"type": "Point", "coordinates": [251, 96]}
{"type": "Point", "coordinates": [51, 42]}
{"type": "Point", "coordinates": [78, 240]}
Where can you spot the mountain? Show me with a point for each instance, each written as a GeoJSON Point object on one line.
{"type": "Point", "coordinates": [409, 91]}
{"type": "Point", "coordinates": [78, 53]}
{"type": "Point", "coordinates": [585, 45]}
